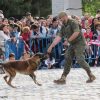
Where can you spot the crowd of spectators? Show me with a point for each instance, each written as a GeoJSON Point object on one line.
{"type": "Point", "coordinates": [36, 27]}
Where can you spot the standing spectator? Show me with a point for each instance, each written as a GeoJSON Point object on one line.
{"type": "Point", "coordinates": [29, 19]}
{"type": "Point", "coordinates": [5, 21]}
{"type": "Point", "coordinates": [43, 28]}
{"type": "Point", "coordinates": [26, 36]}
{"type": "Point", "coordinates": [34, 30]}
{"type": "Point", "coordinates": [97, 34]}
{"type": "Point", "coordinates": [55, 28]}
{"type": "Point", "coordinates": [94, 21]}
{"type": "Point", "coordinates": [88, 34]}
{"type": "Point", "coordinates": [0, 21]}
{"type": "Point", "coordinates": [14, 31]}
{"type": "Point", "coordinates": [97, 30]}
{"type": "Point", "coordinates": [98, 13]}
{"type": "Point", "coordinates": [4, 32]}
{"type": "Point", "coordinates": [86, 20]}
{"type": "Point", "coordinates": [11, 20]}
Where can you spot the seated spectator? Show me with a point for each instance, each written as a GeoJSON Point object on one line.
{"type": "Point", "coordinates": [50, 62]}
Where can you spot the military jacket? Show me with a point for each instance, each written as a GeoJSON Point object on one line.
{"type": "Point", "coordinates": [68, 28]}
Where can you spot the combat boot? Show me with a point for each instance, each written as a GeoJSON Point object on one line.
{"type": "Point", "coordinates": [62, 80]}
{"type": "Point", "coordinates": [91, 78]}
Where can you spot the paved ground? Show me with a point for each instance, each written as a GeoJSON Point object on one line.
{"type": "Point", "coordinates": [75, 89]}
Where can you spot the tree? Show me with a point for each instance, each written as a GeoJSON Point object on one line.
{"type": "Point", "coordinates": [20, 7]}
{"type": "Point", "coordinates": [91, 6]}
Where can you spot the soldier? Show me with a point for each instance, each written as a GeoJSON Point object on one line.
{"type": "Point", "coordinates": [71, 32]}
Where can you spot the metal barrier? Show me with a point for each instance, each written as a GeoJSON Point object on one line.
{"type": "Point", "coordinates": [14, 47]}
{"type": "Point", "coordinates": [41, 45]}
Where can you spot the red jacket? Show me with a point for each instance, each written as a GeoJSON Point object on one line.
{"type": "Point", "coordinates": [25, 36]}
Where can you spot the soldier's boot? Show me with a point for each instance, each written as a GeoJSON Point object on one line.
{"type": "Point", "coordinates": [62, 80]}
{"type": "Point", "coordinates": [91, 77]}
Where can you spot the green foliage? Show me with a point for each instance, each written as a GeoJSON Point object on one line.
{"type": "Point", "coordinates": [20, 7]}
{"type": "Point", "coordinates": [91, 6]}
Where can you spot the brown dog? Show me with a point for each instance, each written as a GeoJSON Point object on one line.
{"type": "Point", "coordinates": [26, 67]}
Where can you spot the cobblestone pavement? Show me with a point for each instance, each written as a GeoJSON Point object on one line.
{"type": "Point", "coordinates": [74, 89]}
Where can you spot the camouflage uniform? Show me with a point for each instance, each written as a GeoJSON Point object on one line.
{"type": "Point", "coordinates": [76, 48]}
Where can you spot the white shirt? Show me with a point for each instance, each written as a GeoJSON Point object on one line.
{"type": "Point", "coordinates": [48, 61]}
{"type": "Point", "coordinates": [3, 37]}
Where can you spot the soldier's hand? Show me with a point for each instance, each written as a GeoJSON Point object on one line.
{"type": "Point", "coordinates": [49, 49]}
{"type": "Point", "coordinates": [65, 43]}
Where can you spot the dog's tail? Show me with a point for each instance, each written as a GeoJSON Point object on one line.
{"type": "Point", "coordinates": [1, 69]}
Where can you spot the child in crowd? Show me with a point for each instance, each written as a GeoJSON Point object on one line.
{"type": "Point", "coordinates": [26, 36]}
{"type": "Point", "coordinates": [88, 34]}
{"type": "Point", "coordinates": [11, 57]}
{"type": "Point", "coordinates": [50, 61]}
{"type": "Point", "coordinates": [25, 55]}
